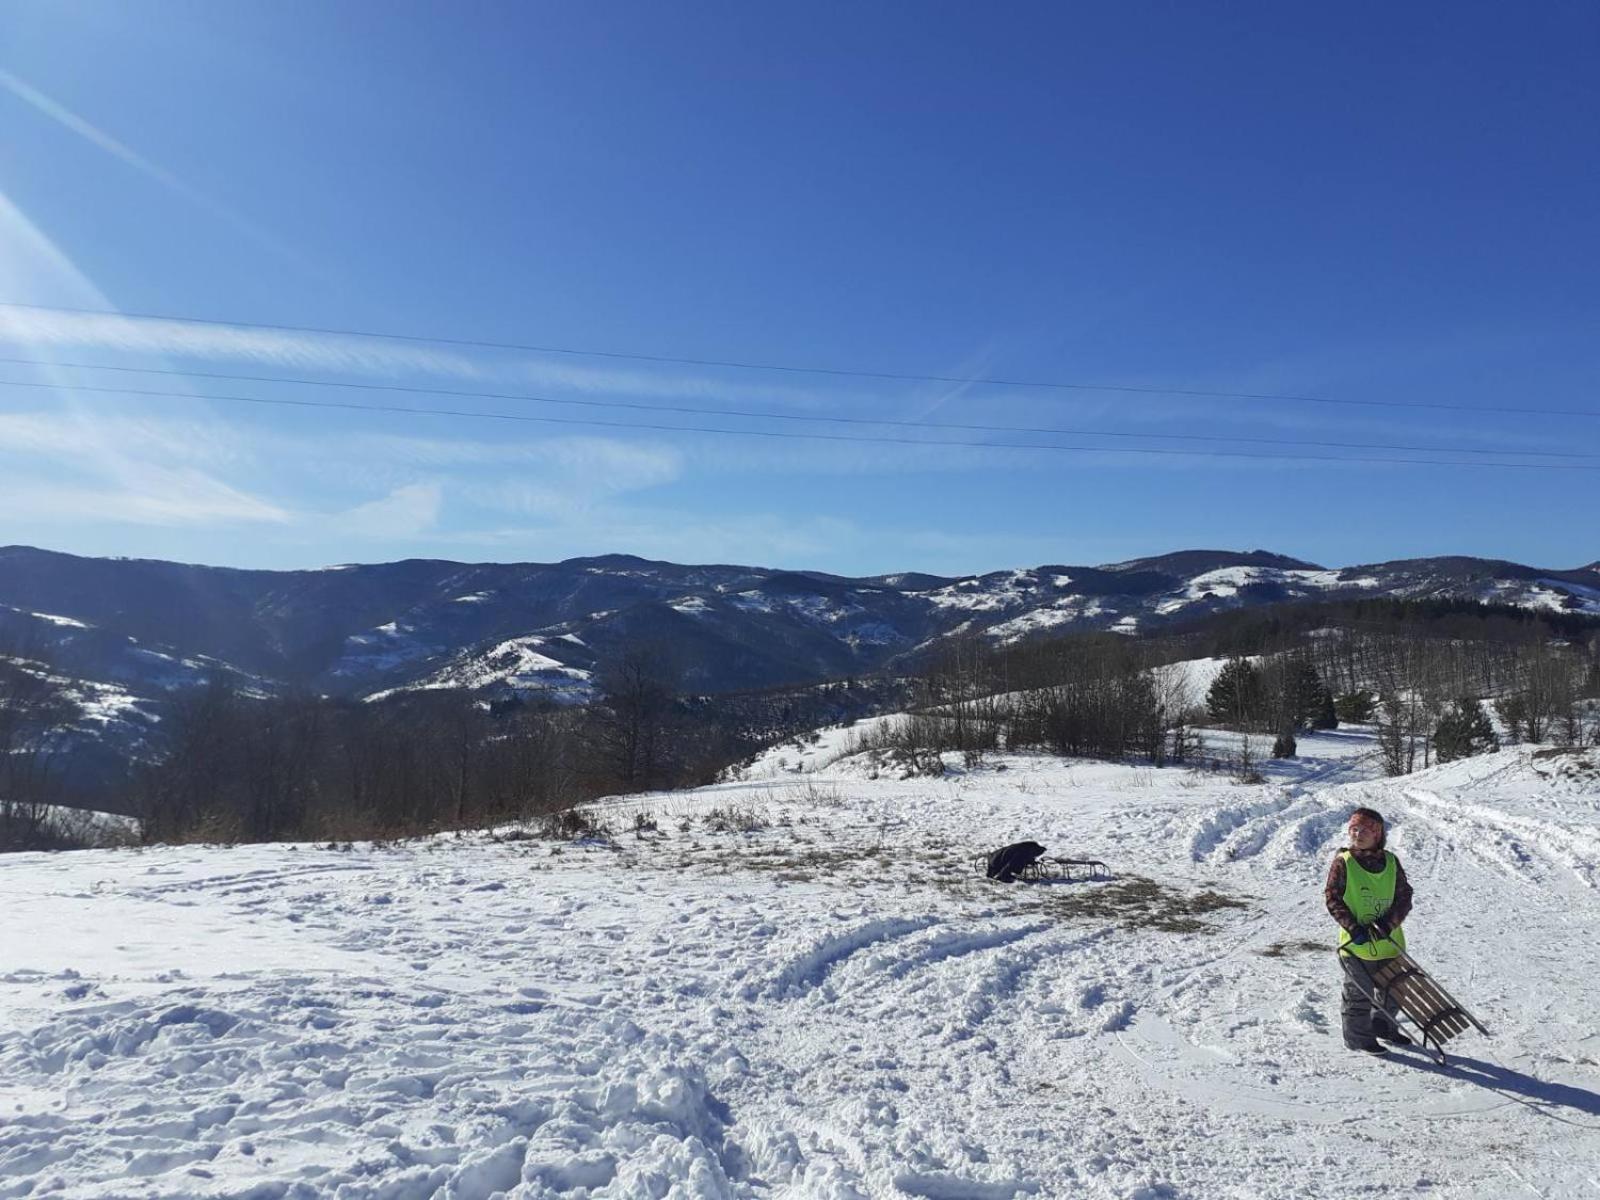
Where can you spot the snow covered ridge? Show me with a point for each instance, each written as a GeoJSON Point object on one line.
{"type": "Point", "coordinates": [363, 629]}
{"type": "Point", "coordinates": [515, 665]}
{"type": "Point", "coordinates": [828, 1004]}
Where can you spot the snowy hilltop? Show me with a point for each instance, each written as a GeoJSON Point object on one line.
{"type": "Point", "coordinates": [547, 629]}
{"type": "Point", "coordinates": [794, 984]}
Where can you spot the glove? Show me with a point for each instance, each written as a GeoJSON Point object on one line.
{"type": "Point", "coordinates": [1380, 929]}
{"type": "Point", "coordinates": [1360, 936]}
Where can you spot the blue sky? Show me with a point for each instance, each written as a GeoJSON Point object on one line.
{"type": "Point", "coordinates": [1397, 204]}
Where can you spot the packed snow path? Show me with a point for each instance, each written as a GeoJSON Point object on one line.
{"type": "Point", "coordinates": [833, 1005]}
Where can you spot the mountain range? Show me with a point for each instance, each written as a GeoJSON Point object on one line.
{"type": "Point", "coordinates": [547, 628]}
{"type": "Point", "coordinates": [119, 634]}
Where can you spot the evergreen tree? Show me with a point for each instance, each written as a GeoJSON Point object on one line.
{"type": "Point", "coordinates": [1310, 704]}
{"type": "Point", "coordinates": [1356, 708]}
{"type": "Point", "coordinates": [1326, 716]}
{"type": "Point", "coordinates": [1236, 696]}
{"type": "Point", "coordinates": [1464, 730]}
{"type": "Point", "coordinates": [1513, 711]}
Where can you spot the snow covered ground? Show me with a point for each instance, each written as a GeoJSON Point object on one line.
{"type": "Point", "coordinates": [797, 987]}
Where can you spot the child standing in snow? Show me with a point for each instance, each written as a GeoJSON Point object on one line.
{"type": "Point", "coordinates": [1368, 894]}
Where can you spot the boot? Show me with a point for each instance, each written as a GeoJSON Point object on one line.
{"type": "Point", "coordinates": [1390, 1032]}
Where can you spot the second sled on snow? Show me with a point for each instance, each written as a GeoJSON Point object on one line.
{"type": "Point", "coordinates": [1028, 862]}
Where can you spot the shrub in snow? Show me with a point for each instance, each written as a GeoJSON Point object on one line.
{"type": "Point", "coordinates": [1464, 730]}
{"type": "Point", "coordinates": [1355, 708]}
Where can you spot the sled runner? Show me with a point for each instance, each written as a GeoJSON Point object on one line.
{"type": "Point", "coordinates": [1026, 861]}
{"type": "Point", "coordinates": [1424, 1002]}
{"type": "Point", "coordinates": [1062, 868]}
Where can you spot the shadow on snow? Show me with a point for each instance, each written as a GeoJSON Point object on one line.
{"type": "Point", "coordinates": [1518, 1086]}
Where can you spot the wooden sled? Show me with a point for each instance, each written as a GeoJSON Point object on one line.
{"type": "Point", "coordinates": [1422, 1000]}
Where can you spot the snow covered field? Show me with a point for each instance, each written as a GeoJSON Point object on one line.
{"type": "Point", "coordinates": [829, 1005]}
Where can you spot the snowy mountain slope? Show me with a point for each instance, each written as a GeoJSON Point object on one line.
{"type": "Point", "coordinates": [113, 686]}
{"type": "Point", "coordinates": [104, 656]}
{"type": "Point", "coordinates": [830, 1004]}
{"type": "Point", "coordinates": [524, 665]}
{"type": "Point", "coordinates": [363, 629]}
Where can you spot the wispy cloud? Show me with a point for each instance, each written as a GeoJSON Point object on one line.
{"type": "Point", "coordinates": [60, 436]}
{"type": "Point", "coordinates": [404, 513]}
{"type": "Point", "coordinates": [573, 475]}
{"type": "Point", "coordinates": [64, 116]}
{"type": "Point", "coordinates": [388, 360]}
{"type": "Point", "coordinates": [549, 478]}
{"type": "Point", "coordinates": [164, 497]}
{"type": "Point", "coordinates": [560, 382]}
{"type": "Point", "coordinates": [63, 466]}
{"type": "Point", "coordinates": [230, 343]}
{"type": "Point", "coordinates": [69, 464]}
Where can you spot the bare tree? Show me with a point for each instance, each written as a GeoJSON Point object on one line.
{"type": "Point", "coordinates": [33, 708]}
{"type": "Point", "coordinates": [1176, 707]}
{"type": "Point", "coordinates": [633, 718]}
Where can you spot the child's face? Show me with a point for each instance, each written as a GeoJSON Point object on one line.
{"type": "Point", "coordinates": [1365, 833]}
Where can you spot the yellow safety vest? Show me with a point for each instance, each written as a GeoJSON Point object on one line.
{"type": "Point", "coordinates": [1369, 896]}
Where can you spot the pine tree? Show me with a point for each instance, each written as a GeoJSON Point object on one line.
{"type": "Point", "coordinates": [1236, 696]}
{"type": "Point", "coordinates": [1355, 708]}
{"type": "Point", "coordinates": [1464, 730]}
{"type": "Point", "coordinates": [1326, 717]}
{"type": "Point", "coordinates": [1310, 704]}
{"type": "Point", "coordinates": [1513, 712]}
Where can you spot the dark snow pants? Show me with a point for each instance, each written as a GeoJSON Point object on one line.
{"type": "Point", "coordinates": [1364, 1021]}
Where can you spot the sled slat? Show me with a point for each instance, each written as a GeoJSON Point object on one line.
{"type": "Point", "coordinates": [1437, 997]}
{"type": "Point", "coordinates": [1420, 998]}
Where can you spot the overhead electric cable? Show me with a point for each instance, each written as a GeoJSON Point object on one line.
{"type": "Point", "coordinates": [767, 414]}
{"type": "Point", "coordinates": [773, 433]}
{"type": "Point", "coordinates": [791, 368]}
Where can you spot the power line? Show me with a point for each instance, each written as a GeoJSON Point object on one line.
{"type": "Point", "coordinates": [772, 433]}
{"type": "Point", "coordinates": [767, 414]}
{"type": "Point", "coordinates": [791, 368]}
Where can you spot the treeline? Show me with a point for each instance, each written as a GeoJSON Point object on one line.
{"type": "Point", "coordinates": [1428, 710]}
{"type": "Point", "coordinates": [1421, 672]}
{"type": "Point", "coordinates": [1086, 695]}
{"type": "Point", "coordinates": [1271, 629]}
{"type": "Point", "coordinates": [236, 767]}
{"type": "Point", "coordinates": [1470, 647]}
{"type": "Point", "coordinates": [1425, 695]}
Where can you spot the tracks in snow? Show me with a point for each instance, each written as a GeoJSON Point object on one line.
{"type": "Point", "coordinates": [1522, 848]}
{"type": "Point", "coordinates": [1298, 825]}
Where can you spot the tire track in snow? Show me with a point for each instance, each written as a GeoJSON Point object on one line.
{"type": "Point", "coordinates": [949, 944]}
{"type": "Point", "coordinates": [245, 881]}
{"type": "Point", "coordinates": [1323, 775]}
{"type": "Point", "coordinates": [1221, 824]}
{"type": "Point", "coordinates": [809, 969]}
{"type": "Point", "coordinates": [1247, 842]}
{"type": "Point", "coordinates": [1576, 851]}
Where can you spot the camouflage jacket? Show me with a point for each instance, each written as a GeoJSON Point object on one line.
{"type": "Point", "coordinates": [1333, 890]}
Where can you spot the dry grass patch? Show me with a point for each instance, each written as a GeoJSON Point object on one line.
{"type": "Point", "coordinates": [1284, 949]}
